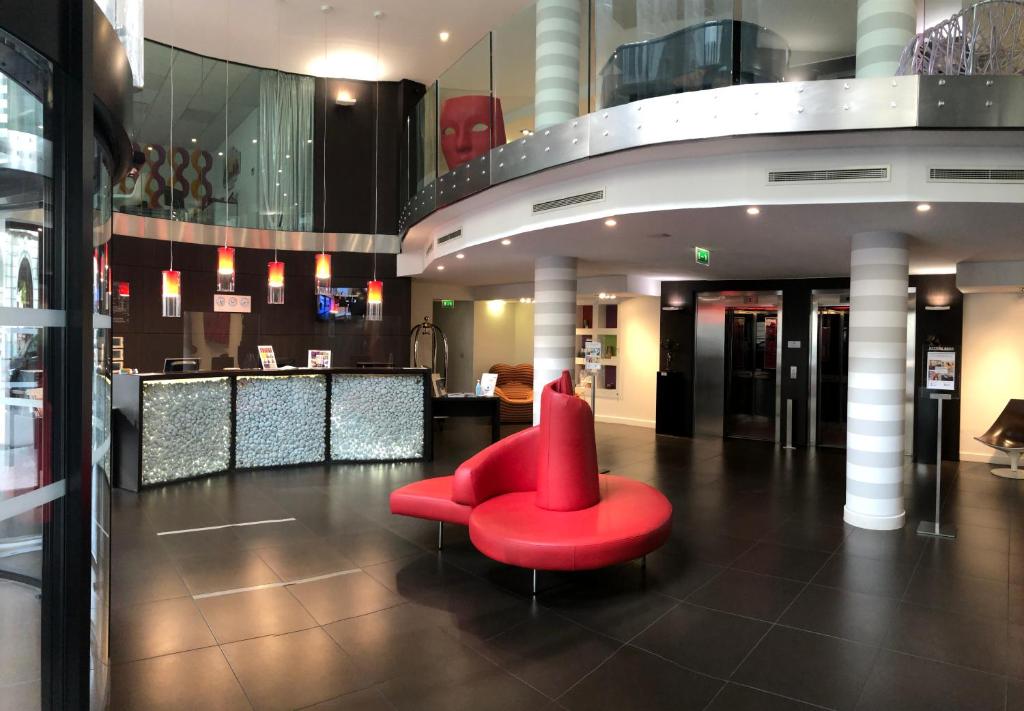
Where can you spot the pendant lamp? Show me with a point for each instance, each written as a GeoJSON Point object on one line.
{"type": "Point", "coordinates": [275, 282]}
{"type": "Point", "coordinates": [375, 287]}
{"type": "Point", "coordinates": [225, 269]}
{"type": "Point", "coordinates": [323, 272]}
{"type": "Point", "coordinates": [171, 293]}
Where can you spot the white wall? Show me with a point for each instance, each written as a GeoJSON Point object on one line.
{"type": "Point", "coordinates": [992, 368]}
{"type": "Point", "coordinates": [502, 333]}
{"type": "Point", "coordinates": [639, 336]}
{"type": "Point", "coordinates": [424, 293]}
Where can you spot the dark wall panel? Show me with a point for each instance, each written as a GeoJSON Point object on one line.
{"type": "Point", "coordinates": [292, 327]}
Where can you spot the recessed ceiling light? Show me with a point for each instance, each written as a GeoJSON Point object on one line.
{"type": "Point", "coordinates": [506, 242]}
{"type": "Point", "coordinates": [443, 36]}
{"type": "Point", "coordinates": [611, 222]}
{"type": "Point", "coordinates": [195, 140]}
{"type": "Point", "coordinates": [440, 267]}
{"type": "Point", "coordinates": [460, 256]}
{"type": "Point", "coordinates": [254, 140]}
{"type": "Point", "coordinates": [753, 210]}
{"type": "Point", "coordinates": [924, 207]}
{"type": "Point", "coordinates": [309, 140]}
{"type": "Point", "coordinates": [220, 153]}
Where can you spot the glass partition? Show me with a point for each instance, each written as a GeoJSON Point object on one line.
{"type": "Point", "coordinates": [797, 40]}
{"type": "Point", "coordinates": [648, 48]}
{"type": "Point", "coordinates": [469, 122]}
{"type": "Point", "coordinates": [242, 142]}
{"type": "Point", "coordinates": [541, 66]}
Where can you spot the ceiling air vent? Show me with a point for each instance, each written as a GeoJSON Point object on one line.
{"type": "Point", "coordinates": [976, 175]}
{"type": "Point", "coordinates": [450, 236]}
{"type": "Point", "coordinates": [870, 174]}
{"type": "Point", "coordinates": [547, 205]}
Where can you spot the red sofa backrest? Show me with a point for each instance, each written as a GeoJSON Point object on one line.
{"type": "Point", "coordinates": [507, 466]}
{"type": "Point", "coordinates": [567, 451]}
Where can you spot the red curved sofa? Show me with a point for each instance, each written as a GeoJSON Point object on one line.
{"type": "Point", "coordinates": [535, 499]}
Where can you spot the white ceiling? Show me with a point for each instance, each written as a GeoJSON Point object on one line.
{"type": "Point", "coordinates": [290, 34]}
{"type": "Point", "coordinates": [784, 241]}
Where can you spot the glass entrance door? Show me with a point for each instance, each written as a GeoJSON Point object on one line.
{"type": "Point", "coordinates": [751, 342]}
{"type": "Point", "coordinates": [833, 366]}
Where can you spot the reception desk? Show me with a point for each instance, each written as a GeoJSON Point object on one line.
{"type": "Point", "coordinates": [177, 426]}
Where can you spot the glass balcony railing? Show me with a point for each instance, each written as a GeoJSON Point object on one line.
{"type": "Point", "coordinates": [561, 59]}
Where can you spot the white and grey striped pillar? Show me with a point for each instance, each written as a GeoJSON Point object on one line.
{"type": "Point", "coordinates": [557, 78]}
{"type": "Point", "coordinates": [877, 379]}
{"type": "Point", "coordinates": [554, 322]}
{"type": "Point", "coordinates": [884, 27]}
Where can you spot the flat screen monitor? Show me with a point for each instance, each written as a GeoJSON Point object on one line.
{"type": "Point", "coordinates": [341, 304]}
{"type": "Point", "coordinates": [181, 365]}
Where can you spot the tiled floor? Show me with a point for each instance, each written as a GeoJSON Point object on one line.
{"type": "Point", "coordinates": [762, 599]}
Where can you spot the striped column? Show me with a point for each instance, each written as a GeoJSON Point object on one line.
{"type": "Point", "coordinates": [884, 27]}
{"type": "Point", "coordinates": [557, 79]}
{"type": "Point", "coordinates": [877, 375]}
{"type": "Point", "coordinates": [554, 322]}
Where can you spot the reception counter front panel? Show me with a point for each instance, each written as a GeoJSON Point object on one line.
{"type": "Point", "coordinates": [172, 427]}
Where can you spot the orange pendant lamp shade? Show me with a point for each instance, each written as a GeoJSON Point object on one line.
{"type": "Point", "coordinates": [323, 271]}
{"type": "Point", "coordinates": [226, 269]}
{"type": "Point", "coordinates": [171, 294]}
{"type": "Point", "coordinates": [275, 282]}
{"type": "Point", "coordinates": [375, 300]}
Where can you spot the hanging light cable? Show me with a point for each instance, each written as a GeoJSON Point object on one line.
{"type": "Point", "coordinates": [323, 260]}
{"type": "Point", "coordinates": [375, 288]}
{"type": "Point", "coordinates": [275, 269]}
{"type": "Point", "coordinates": [170, 289]}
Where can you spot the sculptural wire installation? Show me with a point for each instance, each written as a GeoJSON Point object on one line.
{"type": "Point", "coordinates": [986, 38]}
{"type": "Point", "coordinates": [437, 341]}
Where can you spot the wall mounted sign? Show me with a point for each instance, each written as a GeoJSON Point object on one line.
{"type": "Point", "coordinates": [941, 368]}
{"type": "Point", "coordinates": [447, 303]}
{"type": "Point", "coordinates": [232, 303]}
{"type": "Point", "coordinates": [702, 256]}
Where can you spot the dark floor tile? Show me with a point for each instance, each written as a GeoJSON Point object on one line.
{"type": "Point", "coordinates": [992, 539]}
{"type": "Point", "coordinates": [298, 561]}
{"type": "Point", "coordinates": [1015, 695]}
{"type": "Point", "coordinates": [888, 578]}
{"type": "Point", "coordinates": [476, 610]}
{"type": "Point", "coordinates": [782, 561]}
{"type": "Point", "coordinates": [343, 596]}
{"type": "Point", "coordinates": [135, 584]}
{"type": "Point", "coordinates": [947, 637]}
{"type": "Point", "coordinates": [1015, 652]}
{"type": "Point", "coordinates": [549, 652]}
{"type": "Point", "coordinates": [293, 670]}
{"type": "Point", "coordinates": [417, 574]}
{"type": "Point", "coordinates": [613, 602]}
{"type": "Point", "coordinates": [407, 639]}
{"type": "Point", "coordinates": [1016, 594]}
{"type": "Point", "coordinates": [703, 640]}
{"type": "Point", "coordinates": [706, 547]}
{"type": "Point", "coordinates": [201, 543]}
{"type": "Point", "coordinates": [225, 571]}
{"type": "Point", "coordinates": [677, 576]}
{"type": "Point", "coordinates": [899, 682]}
{"type": "Point", "coordinates": [155, 628]}
{"type": "Point", "coordinates": [741, 698]}
{"type": "Point", "coordinates": [636, 680]}
{"type": "Point", "coordinates": [802, 534]}
{"type": "Point", "coordinates": [463, 684]}
{"type": "Point", "coordinates": [903, 545]}
{"type": "Point", "coordinates": [748, 594]}
{"type": "Point", "coordinates": [254, 614]}
{"type": "Point", "coordinates": [809, 667]}
{"type": "Point", "coordinates": [200, 679]}
{"type": "Point", "coordinates": [275, 534]}
{"type": "Point", "coordinates": [371, 547]}
{"type": "Point", "coordinates": [968, 596]}
{"type": "Point", "coordinates": [956, 558]}
{"type": "Point", "coordinates": [840, 613]}
{"type": "Point", "coordinates": [364, 700]}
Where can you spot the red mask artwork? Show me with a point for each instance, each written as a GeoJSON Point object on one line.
{"type": "Point", "coordinates": [466, 128]}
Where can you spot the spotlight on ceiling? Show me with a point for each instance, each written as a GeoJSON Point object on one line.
{"type": "Point", "coordinates": [460, 255]}
{"type": "Point", "coordinates": [752, 210]}
{"type": "Point", "coordinates": [924, 207]}
{"type": "Point", "coordinates": [440, 267]}
{"type": "Point", "coordinates": [443, 36]}
{"type": "Point", "coordinates": [611, 222]}
{"type": "Point", "coordinates": [506, 242]}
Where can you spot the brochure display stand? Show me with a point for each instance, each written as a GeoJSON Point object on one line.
{"type": "Point", "coordinates": [935, 528]}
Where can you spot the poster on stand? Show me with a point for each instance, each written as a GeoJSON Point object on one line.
{"type": "Point", "coordinates": [941, 368]}
{"type": "Point", "coordinates": [592, 356]}
{"type": "Point", "coordinates": [318, 359]}
{"type": "Point", "coordinates": [267, 359]}
{"type": "Point", "coordinates": [488, 381]}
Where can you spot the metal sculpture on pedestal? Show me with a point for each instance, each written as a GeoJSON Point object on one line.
{"type": "Point", "coordinates": [438, 348]}
{"type": "Point", "coordinates": [986, 39]}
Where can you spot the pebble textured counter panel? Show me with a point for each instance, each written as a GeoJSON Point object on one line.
{"type": "Point", "coordinates": [376, 417]}
{"type": "Point", "coordinates": [280, 420]}
{"type": "Point", "coordinates": [187, 429]}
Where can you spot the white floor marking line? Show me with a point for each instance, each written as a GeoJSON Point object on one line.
{"type": "Point", "coordinates": [267, 586]}
{"type": "Point", "coordinates": [226, 525]}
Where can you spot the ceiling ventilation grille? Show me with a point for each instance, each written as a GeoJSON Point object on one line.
{"type": "Point", "coordinates": [430, 250]}
{"type": "Point", "coordinates": [976, 175]}
{"type": "Point", "coordinates": [870, 174]}
{"type": "Point", "coordinates": [450, 236]}
{"type": "Point", "coordinates": [547, 205]}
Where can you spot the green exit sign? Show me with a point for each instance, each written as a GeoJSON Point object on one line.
{"type": "Point", "coordinates": [702, 256]}
{"type": "Point", "coordinates": [447, 303]}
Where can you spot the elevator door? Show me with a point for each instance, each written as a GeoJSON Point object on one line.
{"type": "Point", "coordinates": [833, 366]}
{"type": "Point", "coordinates": [751, 340]}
